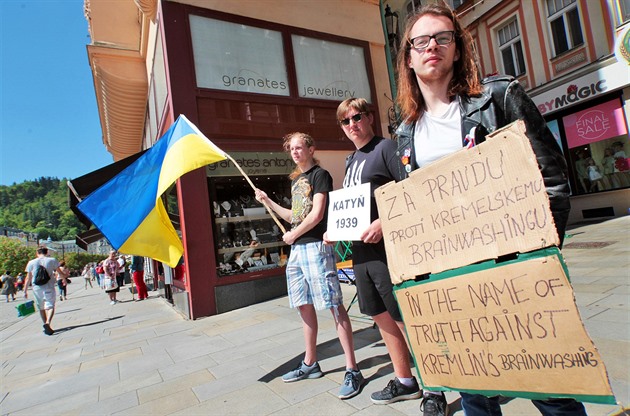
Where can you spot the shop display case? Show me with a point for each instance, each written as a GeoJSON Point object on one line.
{"type": "Point", "coordinates": [247, 239]}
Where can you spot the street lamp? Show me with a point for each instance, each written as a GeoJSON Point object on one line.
{"type": "Point", "coordinates": [391, 25]}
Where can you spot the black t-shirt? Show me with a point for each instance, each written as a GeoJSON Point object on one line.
{"type": "Point", "coordinates": [316, 180]}
{"type": "Point", "coordinates": [376, 163]}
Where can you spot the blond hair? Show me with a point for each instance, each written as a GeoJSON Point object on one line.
{"type": "Point", "coordinates": [286, 145]}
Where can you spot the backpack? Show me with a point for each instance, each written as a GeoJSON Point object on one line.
{"type": "Point", "coordinates": [41, 276]}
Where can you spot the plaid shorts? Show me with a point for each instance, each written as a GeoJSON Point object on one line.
{"type": "Point", "coordinates": [312, 276]}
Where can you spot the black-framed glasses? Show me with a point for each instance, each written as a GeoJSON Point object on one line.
{"type": "Point", "coordinates": [356, 118]}
{"type": "Point", "coordinates": [441, 38]}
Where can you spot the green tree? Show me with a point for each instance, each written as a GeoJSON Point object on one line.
{"type": "Point", "coordinates": [14, 255]}
{"type": "Point", "coordinates": [76, 261]}
{"type": "Point", "coordinates": [39, 206]}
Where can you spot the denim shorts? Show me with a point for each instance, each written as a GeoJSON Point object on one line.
{"type": "Point", "coordinates": [312, 276]}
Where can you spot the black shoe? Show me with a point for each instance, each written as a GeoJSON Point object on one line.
{"type": "Point", "coordinates": [433, 405]}
{"type": "Point", "coordinates": [396, 391]}
{"type": "Point", "coordinates": [48, 330]}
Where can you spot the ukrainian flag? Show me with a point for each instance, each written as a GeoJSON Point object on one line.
{"type": "Point", "coordinates": [128, 209]}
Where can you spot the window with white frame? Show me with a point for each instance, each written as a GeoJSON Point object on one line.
{"type": "Point", "coordinates": [564, 22]}
{"type": "Point", "coordinates": [413, 5]}
{"type": "Point", "coordinates": [511, 49]}
{"type": "Point", "coordinates": [624, 11]}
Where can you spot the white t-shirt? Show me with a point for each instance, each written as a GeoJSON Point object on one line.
{"type": "Point", "coordinates": [50, 263]}
{"type": "Point", "coordinates": [121, 265]}
{"type": "Point", "coordinates": [437, 136]}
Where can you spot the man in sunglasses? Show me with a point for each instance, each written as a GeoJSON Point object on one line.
{"type": "Point", "coordinates": [375, 162]}
{"type": "Point", "coordinates": [446, 107]}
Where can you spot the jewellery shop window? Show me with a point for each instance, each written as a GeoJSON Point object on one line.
{"type": "Point", "coordinates": [247, 239]}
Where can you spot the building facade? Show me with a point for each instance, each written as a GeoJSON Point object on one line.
{"type": "Point", "coordinates": [572, 56]}
{"type": "Point", "coordinates": [247, 73]}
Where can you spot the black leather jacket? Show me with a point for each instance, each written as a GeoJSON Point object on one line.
{"type": "Point", "coordinates": [503, 101]}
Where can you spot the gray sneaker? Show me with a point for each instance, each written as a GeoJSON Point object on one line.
{"type": "Point", "coordinates": [395, 391]}
{"type": "Point", "coordinates": [303, 371]}
{"type": "Point", "coordinates": [352, 382]}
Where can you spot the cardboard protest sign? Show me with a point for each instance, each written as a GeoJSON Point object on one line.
{"type": "Point", "coordinates": [348, 212]}
{"type": "Point", "coordinates": [510, 329]}
{"type": "Point", "coordinates": [473, 205]}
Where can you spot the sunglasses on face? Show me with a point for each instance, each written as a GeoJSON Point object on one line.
{"type": "Point", "coordinates": [356, 118]}
{"type": "Point", "coordinates": [420, 43]}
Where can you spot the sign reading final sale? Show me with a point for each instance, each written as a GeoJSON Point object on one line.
{"type": "Point", "coordinates": [475, 204]}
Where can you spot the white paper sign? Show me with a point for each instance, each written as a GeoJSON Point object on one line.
{"type": "Point", "coordinates": [348, 213]}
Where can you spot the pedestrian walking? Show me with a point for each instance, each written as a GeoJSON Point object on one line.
{"type": "Point", "coordinates": [44, 294]}
{"type": "Point", "coordinates": [87, 275]}
{"type": "Point", "coordinates": [110, 269]}
{"type": "Point", "coordinates": [19, 285]}
{"type": "Point", "coordinates": [120, 274]}
{"type": "Point", "coordinates": [62, 276]}
{"type": "Point", "coordinates": [8, 286]}
{"type": "Point", "coordinates": [137, 274]}
{"type": "Point", "coordinates": [100, 273]}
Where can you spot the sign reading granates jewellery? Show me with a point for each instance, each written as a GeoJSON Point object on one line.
{"type": "Point", "coordinates": [243, 58]}
{"type": "Point", "coordinates": [509, 328]}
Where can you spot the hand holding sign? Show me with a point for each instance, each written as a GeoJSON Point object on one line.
{"type": "Point", "coordinates": [348, 213]}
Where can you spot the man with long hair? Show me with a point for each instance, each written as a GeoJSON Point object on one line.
{"type": "Point", "coordinates": [445, 107]}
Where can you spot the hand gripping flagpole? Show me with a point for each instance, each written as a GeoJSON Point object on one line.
{"type": "Point", "coordinates": [254, 188]}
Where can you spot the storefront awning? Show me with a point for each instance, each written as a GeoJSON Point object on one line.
{"type": "Point", "coordinates": [84, 239]}
{"type": "Point", "coordinates": [85, 185]}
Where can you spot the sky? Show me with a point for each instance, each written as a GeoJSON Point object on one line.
{"type": "Point", "coordinates": [49, 123]}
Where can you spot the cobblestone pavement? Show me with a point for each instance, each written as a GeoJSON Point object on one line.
{"type": "Point", "coordinates": [143, 358]}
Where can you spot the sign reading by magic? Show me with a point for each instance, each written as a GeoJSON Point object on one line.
{"type": "Point", "coordinates": [510, 329]}
{"type": "Point", "coordinates": [473, 205]}
{"type": "Point", "coordinates": [236, 57]}
{"type": "Point", "coordinates": [348, 213]}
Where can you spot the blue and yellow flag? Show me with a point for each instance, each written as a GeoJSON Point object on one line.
{"type": "Point", "coordinates": [128, 209]}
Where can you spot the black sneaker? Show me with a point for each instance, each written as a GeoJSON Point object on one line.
{"type": "Point", "coordinates": [396, 391]}
{"type": "Point", "coordinates": [48, 330]}
{"type": "Point", "coordinates": [433, 405]}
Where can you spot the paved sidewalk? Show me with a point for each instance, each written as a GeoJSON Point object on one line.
{"type": "Point", "coordinates": [143, 358]}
